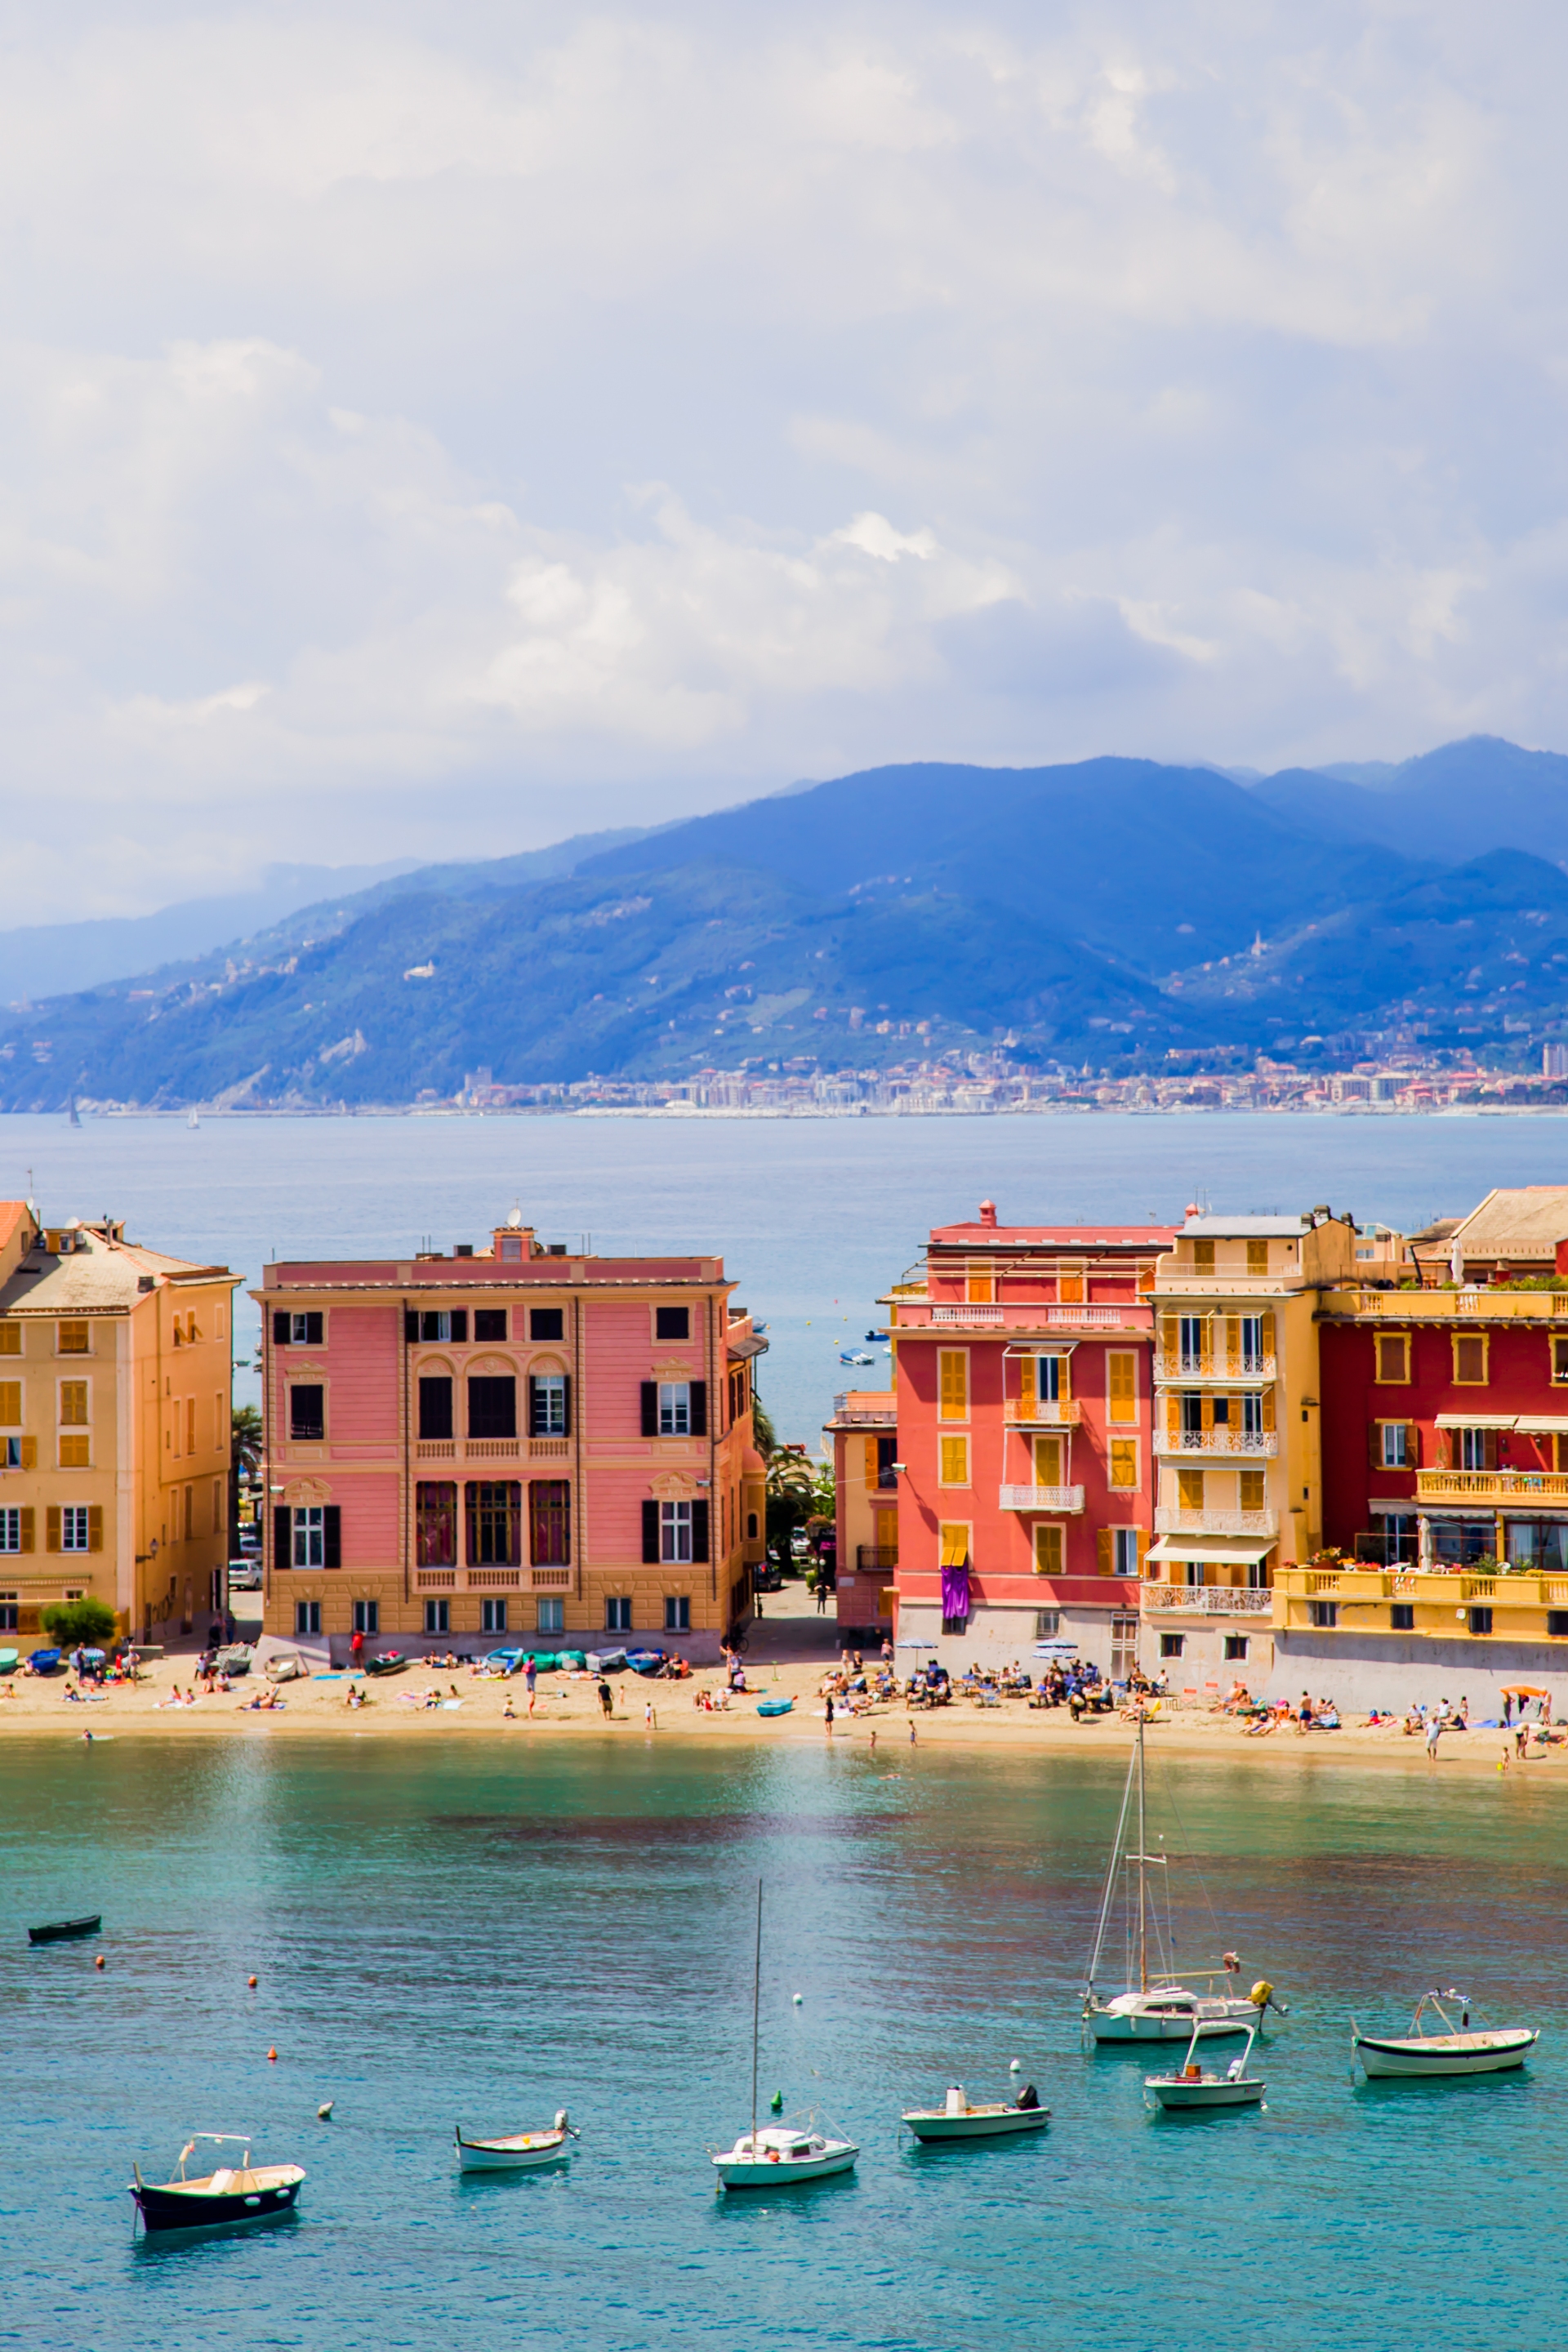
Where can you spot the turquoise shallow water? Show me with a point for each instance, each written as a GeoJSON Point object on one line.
{"type": "Point", "coordinates": [454, 1929]}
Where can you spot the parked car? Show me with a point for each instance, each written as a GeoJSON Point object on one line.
{"type": "Point", "coordinates": [245, 1576]}
{"type": "Point", "coordinates": [250, 1540]}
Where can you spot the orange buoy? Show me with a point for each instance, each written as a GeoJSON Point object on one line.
{"type": "Point", "coordinates": [272, 2055]}
{"type": "Point", "coordinates": [251, 1983]}
{"type": "Point", "coordinates": [99, 1962]}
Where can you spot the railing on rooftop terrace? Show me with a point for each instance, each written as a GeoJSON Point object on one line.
{"type": "Point", "coordinates": [1209, 1599]}
{"type": "Point", "coordinates": [1174, 1521]}
{"type": "Point", "coordinates": [1443, 1305]}
{"type": "Point", "coordinates": [1497, 1486]}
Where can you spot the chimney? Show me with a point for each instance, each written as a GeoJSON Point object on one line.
{"type": "Point", "coordinates": [988, 1213]}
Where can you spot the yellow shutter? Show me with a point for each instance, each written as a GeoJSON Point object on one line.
{"type": "Point", "coordinates": [26, 1526]}
{"type": "Point", "coordinates": [73, 1405]}
{"type": "Point", "coordinates": [1123, 1462]}
{"type": "Point", "coordinates": [1104, 1550]}
{"type": "Point", "coordinates": [1143, 1542]}
{"type": "Point", "coordinates": [10, 1402]}
{"type": "Point", "coordinates": [10, 1339]}
{"type": "Point", "coordinates": [29, 1454]}
{"type": "Point", "coordinates": [1047, 1551]}
{"type": "Point", "coordinates": [52, 1527]}
{"type": "Point", "coordinates": [1268, 1334]}
{"type": "Point", "coordinates": [76, 1453]}
{"type": "Point", "coordinates": [1121, 1387]}
{"type": "Point", "coordinates": [1233, 1336]}
{"type": "Point", "coordinates": [1190, 1489]}
{"type": "Point", "coordinates": [1047, 1461]}
{"type": "Point", "coordinates": [1268, 1408]}
{"type": "Point", "coordinates": [95, 1526]}
{"type": "Point", "coordinates": [1252, 1497]}
{"type": "Point", "coordinates": [1170, 1336]}
{"type": "Point", "coordinates": [1028, 1386]}
{"type": "Point", "coordinates": [955, 1460]}
{"type": "Point", "coordinates": [871, 1471]}
{"type": "Point", "coordinates": [954, 1544]}
{"type": "Point", "coordinates": [1206, 1410]}
{"type": "Point", "coordinates": [980, 1289]}
{"type": "Point", "coordinates": [953, 1389]}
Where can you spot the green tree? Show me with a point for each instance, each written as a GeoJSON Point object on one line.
{"type": "Point", "coordinates": [790, 1499]}
{"type": "Point", "coordinates": [245, 1435]}
{"type": "Point", "coordinates": [91, 1622]}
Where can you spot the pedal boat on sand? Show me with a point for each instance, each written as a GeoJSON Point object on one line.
{"type": "Point", "coordinates": [1451, 2051]}
{"type": "Point", "coordinates": [519, 2151]}
{"type": "Point", "coordinates": [958, 2120]}
{"type": "Point", "coordinates": [226, 2198]}
{"type": "Point", "coordinates": [1193, 2087]}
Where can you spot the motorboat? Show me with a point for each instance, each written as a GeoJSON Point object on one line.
{"type": "Point", "coordinates": [778, 2157]}
{"type": "Point", "coordinates": [1451, 2051]}
{"type": "Point", "coordinates": [63, 1931]}
{"type": "Point", "coordinates": [1195, 2087]}
{"type": "Point", "coordinates": [781, 2154]}
{"type": "Point", "coordinates": [1168, 2008]}
{"type": "Point", "coordinates": [228, 2196]}
{"type": "Point", "coordinates": [518, 2151]}
{"type": "Point", "coordinates": [957, 2119]}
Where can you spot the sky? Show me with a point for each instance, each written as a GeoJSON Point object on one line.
{"type": "Point", "coordinates": [429, 430]}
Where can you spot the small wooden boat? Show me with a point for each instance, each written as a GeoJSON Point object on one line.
{"type": "Point", "coordinates": [775, 1706]}
{"type": "Point", "coordinates": [234, 1658]}
{"type": "Point", "coordinates": [390, 1662]}
{"type": "Point", "coordinates": [518, 2152]}
{"type": "Point", "coordinates": [10, 1660]}
{"type": "Point", "coordinates": [44, 1661]}
{"type": "Point", "coordinates": [60, 1931]}
{"type": "Point", "coordinates": [958, 2120]}
{"type": "Point", "coordinates": [226, 2197]}
{"type": "Point", "coordinates": [1193, 2087]}
{"type": "Point", "coordinates": [1452, 2051]}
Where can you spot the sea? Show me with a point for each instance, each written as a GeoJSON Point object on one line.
{"type": "Point", "coordinates": [813, 1217]}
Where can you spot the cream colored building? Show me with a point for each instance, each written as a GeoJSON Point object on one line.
{"type": "Point", "coordinates": [1237, 1437]}
{"type": "Point", "coordinates": [114, 1427]}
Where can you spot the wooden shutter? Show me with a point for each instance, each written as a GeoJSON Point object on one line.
{"type": "Point", "coordinates": [700, 1412]}
{"type": "Point", "coordinates": [52, 1527]}
{"type": "Point", "coordinates": [1268, 1408]}
{"type": "Point", "coordinates": [282, 1546]}
{"type": "Point", "coordinates": [1064, 1379]}
{"type": "Point", "coordinates": [566, 1403]}
{"type": "Point", "coordinates": [1028, 1387]}
{"type": "Point", "coordinates": [1233, 1336]}
{"type": "Point", "coordinates": [699, 1530]}
{"type": "Point", "coordinates": [280, 1330]}
{"type": "Point", "coordinates": [1374, 1445]}
{"type": "Point", "coordinates": [459, 1326]}
{"type": "Point", "coordinates": [650, 1413]}
{"type": "Point", "coordinates": [1144, 1539]}
{"type": "Point", "coordinates": [1206, 1411]}
{"type": "Point", "coordinates": [1267, 1333]}
{"type": "Point", "coordinates": [1105, 1550]}
{"type": "Point", "coordinates": [1169, 1335]}
{"type": "Point", "coordinates": [26, 1526]}
{"type": "Point", "coordinates": [10, 1400]}
{"type": "Point", "coordinates": [954, 1378]}
{"type": "Point", "coordinates": [29, 1454]}
{"type": "Point", "coordinates": [1047, 1461]}
{"type": "Point", "coordinates": [331, 1537]}
{"type": "Point", "coordinates": [873, 1463]}
{"type": "Point", "coordinates": [649, 1532]}
{"type": "Point", "coordinates": [95, 1526]}
{"type": "Point", "coordinates": [1121, 1387]}
{"type": "Point", "coordinates": [410, 1325]}
{"type": "Point", "coordinates": [1190, 1489]}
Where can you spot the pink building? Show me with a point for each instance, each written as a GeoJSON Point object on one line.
{"type": "Point", "coordinates": [511, 1445]}
{"type": "Point", "coordinates": [1026, 1486]}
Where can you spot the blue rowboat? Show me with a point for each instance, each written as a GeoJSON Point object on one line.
{"type": "Point", "coordinates": [775, 1705]}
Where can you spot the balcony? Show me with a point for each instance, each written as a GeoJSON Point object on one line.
{"type": "Point", "coordinates": [1020, 1412]}
{"type": "Point", "coordinates": [1177, 1522]}
{"type": "Point", "coordinates": [1215, 1364]}
{"type": "Point", "coordinates": [1439, 1600]}
{"type": "Point", "coordinates": [1449, 1306]}
{"type": "Point", "coordinates": [1041, 1498]}
{"type": "Point", "coordinates": [1259, 1444]}
{"type": "Point", "coordinates": [858, 1414]}
{"type": "Point", "coordinates": [1208, 1599]}
{"type": "Point", "coordinates": [967, 1314]}
{"type": "Point", "coordinates": [1491, 1490]}
{"type": "Point", "coordinates": [485, 1449]}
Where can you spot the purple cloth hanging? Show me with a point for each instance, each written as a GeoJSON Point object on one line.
{"type": "Point", "coordinates": [955, 1592]}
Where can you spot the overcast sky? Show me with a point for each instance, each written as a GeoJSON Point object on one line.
{"type": "Point", "coordinates": [433, 428]}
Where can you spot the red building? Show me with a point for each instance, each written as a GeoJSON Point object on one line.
{"type": "Point", "coordinates": [1024, 1426]}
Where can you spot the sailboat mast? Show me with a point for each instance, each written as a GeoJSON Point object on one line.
{"type": "Point", "coordinates": [756, 2011]}
{"type": "Point", "coordinates": [1142, 1941]}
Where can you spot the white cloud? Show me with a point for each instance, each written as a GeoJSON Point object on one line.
{"type": "Point", "coordinates": [1180, 379]}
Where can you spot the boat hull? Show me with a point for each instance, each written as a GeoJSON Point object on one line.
{"type": "Point", "coordinates": [62, 1931]}
{"type": "Point", "coordinates": [781, 2172]}
{"type": "Point", "coordinates": [1218, 2018]}
{"type": "Point", "coordinates": [174, 2208]}
{"type": "Point", "coordinates": [529, 2152]}
{"type": "Point", "coordinates": [1429, 2056]}
{"type": "Point", "coordinates": [1171, 2092]}
{"type": "Point", "coordinates": [980, 2123]}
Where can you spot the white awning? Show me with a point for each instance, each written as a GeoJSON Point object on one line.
{"type": "Point", "coordinates": [1478, 1420]}
{"type": "Point", "coordinates": [1239, 1551]}
{"type": "Point", "coordinates": [1543, 1425]}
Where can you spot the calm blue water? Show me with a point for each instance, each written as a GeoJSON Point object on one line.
{"type": "Point", "coordinates": [447, 1930]}
{"type": "Point", "coordinates": [814, 1217]}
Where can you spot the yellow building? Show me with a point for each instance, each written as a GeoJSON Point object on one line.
{"type": "Point", "coordinates": [114, 1427]}
{"type": "Point", "coordinates": [1237, 1435]}
{"type": "Point", "coordinates": [865, 1433]}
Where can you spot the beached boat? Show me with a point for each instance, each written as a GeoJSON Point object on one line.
{"type": "Point", "coordinates": [228, 2197]}
{"type": "Point", "coordinates": [62, 1931]}
{"type": "Point", "coordinates": [1167, 2008]}
{"type": "Point", "coordinates": [285, 1667]}
{"type": "Point", "coordinates": [517, 2151]}
{"type": "Point", "coordinates": [784, 2154]}
{"type": "Point", "coordinates": [1453, 2050]}
{"type": "Point", "coordinates": [44, 1661]}
{"type": "Point", "coordinates": [9, 1662]}
{"type": "Point", "coordinates": [958, 2120]}
{"type": "Point", "coordinates": [775, 1705]}
{"type": "Point", "coordinates": [390, 1662]}
{"type": "Point", "coordinates": [234, 1659]}
{"type": "Point", "coordinates": [1194, 2088]}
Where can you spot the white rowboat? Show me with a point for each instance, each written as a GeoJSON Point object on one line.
{"type": "Point", "coordinates": [958, 2120]}
{"type": "Point", "coordinates": [779, 2157]}
{"type": "Point", "coordinates": [1419, 2054]}
{"type": "Point", "coordinates": [519, 2151]}
{"type": "Point", "coordinates": [1193, 2089]}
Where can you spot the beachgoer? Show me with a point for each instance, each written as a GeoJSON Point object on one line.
{"type": "Point", "coordinates": [1434, 1733]}
{"type": "Point", "coordinates": [530, 1675]}
{"type": "Point", "coordinates": [830, 1715]}
{"type": "Point", "coordinates": [509, 1712]}
{"type": "Point", "coordinates": [912, 1731]}
{"type": "Point", "coordinates": [650, 1721]}
{"type": "Point", "coordinates": [606, 1699]}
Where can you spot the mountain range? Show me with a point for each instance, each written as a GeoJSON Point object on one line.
{"type": "Point", "coordinates": [1114, 912]}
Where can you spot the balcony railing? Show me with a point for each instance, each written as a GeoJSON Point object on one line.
{"type": "Point", "coordinates": [1042, 1499]}
{"type": "Point", "coordinates": [544, 1579]}
{"type": "Point", "coordinates": [1093, 1318]}
{"type": "Point", "coordinates": [1215, 1364]}
{"type": "Point", "coordinates": [1448, 1589]}
{"type": "Point", "coordinates": [881, 1415]}
{"type": "Point", "coordinates": [1209, 1599]}
{"type": "Point", "coordinates": [1445, 1305]}
{"type": "Point", "coordinates": [967, 1314]}
{"type": "Point", "coordinates": [1490, 1485]}
{"type": "Point", "coordinates": [1023, 1412]}
{"type": "Point", "coordinates": [1261, 1444]}
{"type": "Point", "coordinates": [548, 1449]}
{"type": "Point", "coordinates": [493, 1579]}
{"type": "Point", "coordinates": [1177, 1522]}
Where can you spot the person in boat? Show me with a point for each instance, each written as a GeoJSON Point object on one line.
{"type": "Point", "coordinates": [1028, 2097]}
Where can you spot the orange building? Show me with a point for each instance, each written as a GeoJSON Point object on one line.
{"type": "Point", "coordinates": [865, 1435]}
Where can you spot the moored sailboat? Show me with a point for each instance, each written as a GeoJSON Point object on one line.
{"type": "Point", "coordinates": [781, 2155]}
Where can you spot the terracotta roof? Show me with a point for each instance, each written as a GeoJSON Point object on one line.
{"type": "Point", "coordinates": [1526, 1223]}
{"type": "Point", "coordinates": [12, 1215]}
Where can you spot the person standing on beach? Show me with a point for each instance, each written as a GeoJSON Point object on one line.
{"type": "Point", "coordinates": [606, 1699]}
{"type": "Point", "coordinates": [530, 1675]}
{"type": "Point", "coordinates": [650, 1721]}
{"type": "Point", "coordinates": [830, 1715]}
{"type": "Point", "coordinates": [1434, 1733]}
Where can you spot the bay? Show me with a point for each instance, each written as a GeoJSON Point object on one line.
{"type": "Point", "coordinates": [813, 1217]}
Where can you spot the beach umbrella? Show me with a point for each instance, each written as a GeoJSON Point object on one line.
{"type": "Point", "coordinates": [1524, 1690]}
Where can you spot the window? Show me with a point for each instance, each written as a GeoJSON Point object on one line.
{"type": "Point", "coordinates": [980, 1287]}
{"type": "Point", "coordinates": [954, 1469]}
{"type": "Point", "coordinates": [190, 1513]}
{"type": "Point", "coordinates": [547, 1323]}
{"type": "Point", "coordinates": [435, 1409]}
{"type": "Point", "coordinates": [75, 1338]}
{"type": "Point", "coordinates": [307, 1411]}
{"type": "Point", "coordinates": [510, 1246]}
{"type": "Point", "coordinates": [1191, 1335]}
{"type": "Point", "coordinates": [1172, 1645]}
{"type": "Point", "coordinates": [495, 1524]}
{"type": "Point", "coordinates": [1047, 1624]}
{"type": "Point", "coordinates": [1481, 1620]}
{"type": "Point", "coordinates": [1325, 1614]}
{"type": "Point", "coordinates": [492, 1406]}
{"type": "Point", "coordinates": [1202, 1256]}
{"type": "Point", "coordinates": [492, 1616]}
{"type": "Point", "coordinates": [677, 1613]}
{"type": "Point", "coordinates": [1123, 1466]}
{"type": "Point", "coordinates": [547, 1405]}
{"type": "Point", "coordinates": [1124, 1552]}
{"type": "Point", "coordinates": [307, 1617]}
{"type": "Point", "coordinates": [1121, 1387]}
{"type": "Point", "coordinates": [1395, 1449]}
{"type": "Point", "coordinates": [489, 1323]}
{"type": "Point", "coordinates": [1476, 1448]}
{"type": "Point", "coordinates": [73, 1534]}
{"type": "Point", "coordinates": [672, 1322]}
{"type": "Point", "coordinates": [11, 1403]}
{"type": "Point", "coordinates": [1252, 1343]}
{"type": "Point", "coordinates": [1190, 1408]}
{"type": "Point", "coordinates": [953, 1384]}
{"type": "Point", "coordinates": [881, 1453]}
{"type": "Point", "coordinates": [1470, 1359]}
{"type": "Point", "coordinates": [11, 1527]}
{"type": "Point", "coordinates": [367, 1616]}
{"type": "Point", "coordinates": [10, 1339]}
{"type": "Point", "coordinates": [1250, 1491]}
{"type": "Point", "coordinates": [1559, 1356]}
{"type": "Point", "coordinates": [439, 1326]}
{"type": "Point", "coordinates": [1050, 1385]}
{"type": "Point", "coordinates": [1235, 1644]}
{"type": "Point", "coordinates": [550, 1616]}
{"type": "Point", "coordinates": [438, 1616]}
{"type": "Point", "coordinates": [1190, 1490]}
{"type": "Point", "coordinates": [310, 1536]}
{"type": "Point", "coordinates": [1251, 1416]}
{"type": "Point", "coordinates": [290, 1330]}
{"type": "Point", "coordinates": [435, 1525]}
{"type": "Point", "coordinates": [549, 1523]}
{"type": "Point", "coordinates": [675, 1409]}
{"type": "Point", "coordinates": [1049, 1548]}
{"type": "Point", "coordinates": [1557, 1622]}
{"type": "Point", "coordinates": [1047, 1451]}
{"type": "Point", "coordinates": [1402, 1617]}
{"type": "Point", "coordinates": [1256, 1262]}
{"type": "Point", "coordinates": [1394, 1359]}
{"type": "Point", "coordinates": [675, 1531]}
{"type": "Point", "coordinates": [75, 1451]}
{"type": "Point", "coordinates": [617, 1616]}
